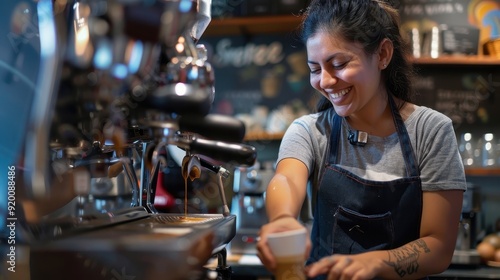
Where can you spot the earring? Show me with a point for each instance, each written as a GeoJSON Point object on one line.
{"type": "Point", "coordinates": [385, 65]}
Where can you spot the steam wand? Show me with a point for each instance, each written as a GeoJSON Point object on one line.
{"type": "Point", "coordinates": [221, 173]}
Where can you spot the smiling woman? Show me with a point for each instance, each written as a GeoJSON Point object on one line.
{"type": "Point", "coordinates": [385, 208]}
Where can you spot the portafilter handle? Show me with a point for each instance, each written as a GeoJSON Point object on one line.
{"type": "Point", "coordinates": [214, 126]}
{"type": "Point", "coordinates": [237, 154]}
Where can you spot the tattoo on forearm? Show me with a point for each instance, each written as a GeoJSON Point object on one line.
{"type": "Point", "coordinates": [404, 260]}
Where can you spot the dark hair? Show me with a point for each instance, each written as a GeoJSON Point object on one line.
{"type": "Point", "coordinates": [367, 22]}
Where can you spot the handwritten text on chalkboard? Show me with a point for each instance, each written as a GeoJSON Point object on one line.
{"type": "Point", "coordinates": [467, 98]}
{"type": "Point", "coordinates": [257, 54]}
{"type": "Point", "coordinates": [433, 9]}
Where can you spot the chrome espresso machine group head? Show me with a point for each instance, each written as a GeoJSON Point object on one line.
{"type": "Point", "coordinates": [95, 90]}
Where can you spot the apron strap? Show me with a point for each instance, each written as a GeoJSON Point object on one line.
{"type": "Point", "coordinates": [404, 141]}
{"type": "Point", "coordinates": [333, 146]}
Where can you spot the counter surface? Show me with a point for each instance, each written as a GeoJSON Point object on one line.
{"type": "Point", "coordinates": [249, 267]}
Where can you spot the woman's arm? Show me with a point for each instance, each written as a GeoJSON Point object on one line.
{"type": "Point", "coordinates": [287, 189]}
{"type": "Point", "coordinates": [430, 254]}
{"type": "Point", "coordinates": [284, 198]}
{"type": "Point", "coordinates": [439, 229]}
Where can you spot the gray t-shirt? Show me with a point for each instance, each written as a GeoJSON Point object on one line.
{"type": "Point", "coordinates": [431, 134]}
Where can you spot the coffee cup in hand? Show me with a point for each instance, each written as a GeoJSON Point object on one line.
{"type": "Point", "coordinates": [289, 248]}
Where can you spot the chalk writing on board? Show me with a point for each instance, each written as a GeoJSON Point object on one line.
{"type": "Point", "coordinates": [433, 9]}
{"type": "Point", "coordinates": [466, 98]}
{"type": "Point", "coordinates": [238, 56]}
{"type": "Point", "coordinates": [437, 12]}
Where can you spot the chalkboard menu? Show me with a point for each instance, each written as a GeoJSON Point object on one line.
{"type": "Point", "coordinates": [469, 95]}
{"type": "Point", "coordinates": [260, 75]}
{"type": "Point", "coordinates": [452, 12]}
{"type": "Point", "coordinates": [464, 25]}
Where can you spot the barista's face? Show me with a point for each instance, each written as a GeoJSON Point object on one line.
{"type": "Point", "coordinates": [344, 74]}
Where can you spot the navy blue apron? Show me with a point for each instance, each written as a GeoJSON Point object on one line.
{"type": "Point", "coordinates": [354, 215]}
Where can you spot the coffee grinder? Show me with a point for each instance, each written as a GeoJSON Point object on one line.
{"type": "Point", "coordinates": [248, 205]}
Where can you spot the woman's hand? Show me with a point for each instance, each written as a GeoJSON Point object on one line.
{"type": "Point", "coordinates": [344, 267]}
{"type": "Point", "coordinates": [285, 223]}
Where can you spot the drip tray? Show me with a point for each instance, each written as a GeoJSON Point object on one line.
{"type": "Point", "coordinates": [186, 220]}
{"type": "Point", "coordinates": [146, 248]}
{"type": "Point", "coordinates": [175, 221]}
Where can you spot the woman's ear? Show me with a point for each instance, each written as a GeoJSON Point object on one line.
{"type": "Point", "coordinates": [385, 51]}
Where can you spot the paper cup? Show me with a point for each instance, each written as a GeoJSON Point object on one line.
{"type": "Point", "coordinates": [288, 243]}
{"type": "Point", "coordinates": [288, 248]}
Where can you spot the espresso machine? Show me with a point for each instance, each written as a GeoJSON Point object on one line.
{"type": "Point", "coordinates": [97, 90]}
{"type": "Point", "coordinates": [465, 253]}
{"type": "Point", "coordinates": [250, 184]}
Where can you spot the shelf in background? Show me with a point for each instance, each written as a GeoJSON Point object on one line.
{"type": "Point", "coordinates": [257, 25]}
{"type": "Point", "coordinates": [482, 171]}
{"type": "Point", "coordinates": [458, 60]}
{"type": "Point", "coordinates": [252, 25]}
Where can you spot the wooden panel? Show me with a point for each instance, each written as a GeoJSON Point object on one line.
{"type": "Point", "coordinates": [252, 25]}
